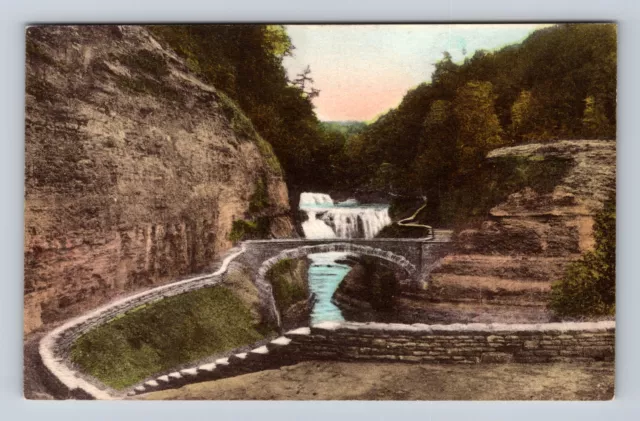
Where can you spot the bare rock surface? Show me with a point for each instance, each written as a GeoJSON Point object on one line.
{"type": "Point", "coordinates": [133, 173]}
{"type": "Point", "coordinates": [531, 237]}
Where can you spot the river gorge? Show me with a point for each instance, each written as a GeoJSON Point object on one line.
{"type": "Point", "coordinates": [327, 219]}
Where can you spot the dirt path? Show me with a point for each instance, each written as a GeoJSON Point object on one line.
{"type": "Point", "coordinates": [328, 380]}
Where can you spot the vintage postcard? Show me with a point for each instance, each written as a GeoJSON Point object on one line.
{"type": "Point", "coordinates": [320, 212]}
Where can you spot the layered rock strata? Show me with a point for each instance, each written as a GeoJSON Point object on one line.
{"type": "Point", "coordinates": [134, 171]}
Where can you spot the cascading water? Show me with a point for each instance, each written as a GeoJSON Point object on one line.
{"type": "Point", "coordinates": [315, 228]}
{"type": "Point", "coordinates": [348, 219]}
{"type": "Point", "coordinates": [326, 219]}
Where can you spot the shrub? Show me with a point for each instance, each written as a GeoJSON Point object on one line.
{"type": "Point", "coordinates": [381, 282]}
{"type": "Point", "coordinates": [589, 284]}
{"type": "Point", "coordinates": [260, 198]}
{"type": "Point", "coordinates": [249, 230]}
{"type": "Point", "coordinates": [287, 277]}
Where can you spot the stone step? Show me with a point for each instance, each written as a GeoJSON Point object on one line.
{"type": "Point", "coordinates": [175, 376]}
{"type": "Point", "coordinates": [209, 372]}
{"type": "Point", "coordinates": [278, 343]}
{"type": "Point", "coordinates": [151, 385]}
{"type": "Point", "coordinates": [189, 373]}
{"type": "Point", "coordinates": [254, 360]}
{"type": "Point", "coordinates": [222, 362]}
{"type": "Point", "coordinates": [237, 358]}
{"type": "Point", "coordinates": [207, 368]}
{"type": "Point", "coordinates": [258, 354]}
{"type": "Point", "coordinates": [301, 331]}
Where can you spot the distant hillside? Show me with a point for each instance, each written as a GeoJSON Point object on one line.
{"type": "Point", "coordinates": [347, 128]}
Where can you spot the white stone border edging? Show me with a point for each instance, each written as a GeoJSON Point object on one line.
{"type": "Point", "coordinates": [51, 343]}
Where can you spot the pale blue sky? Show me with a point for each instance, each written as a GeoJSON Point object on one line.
{"type": "Point", "coordinates": [363, 70]}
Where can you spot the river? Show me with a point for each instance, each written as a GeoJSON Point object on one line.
{"type": "Point", "coordinates": [327, 219]}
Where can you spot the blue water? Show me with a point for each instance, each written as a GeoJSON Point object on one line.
{"type": "Point", "coordinates": [324, 277]}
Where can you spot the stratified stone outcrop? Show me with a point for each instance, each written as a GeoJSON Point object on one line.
{"type": "Point", "coordinates": [134, 173]}
{"type": "Point", "coordinates": [529, 239]}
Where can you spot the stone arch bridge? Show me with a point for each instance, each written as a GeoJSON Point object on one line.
{"type": "Point", "coordinates": [415, 256]}
{"type": "Point", "coordinates": [412, 254]}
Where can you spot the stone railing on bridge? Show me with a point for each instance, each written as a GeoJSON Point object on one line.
{"type": "Point", "coordinates": [416, 257]}
{"type": "Point", "coordinates": [421, 253]}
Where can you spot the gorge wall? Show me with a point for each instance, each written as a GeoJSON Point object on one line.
{"type": "Point", "coordinates": [135, 169]}
{"type": "Point", "coordinates": [513, 257]}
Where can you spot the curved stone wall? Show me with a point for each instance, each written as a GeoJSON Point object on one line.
{"type": "Point", "coordinates": [55, 346]}
{"type": "Point", "coordinates": [456, 343]}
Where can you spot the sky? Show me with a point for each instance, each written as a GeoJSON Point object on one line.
{"type": "Point", "coordinates": [364, 70]}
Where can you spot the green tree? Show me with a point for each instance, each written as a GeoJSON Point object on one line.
{"type": "Point", "coordinates": [245, 63]}
{"type": "Point", "coordinates": [521, 113]}
{"type": "Point", "coordinates": [595, 121]}
{"type": "Point", "coordinates": [479, 130]}
{"type": "Point", "coordinates": [589, 284]}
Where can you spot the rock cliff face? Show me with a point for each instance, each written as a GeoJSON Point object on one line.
{"type": "Point", "coordinates": [554, 224]}
{"type": "Point", "coordinates": [529, 239]}
{"type": "Point", "coordinates": [135, 169]}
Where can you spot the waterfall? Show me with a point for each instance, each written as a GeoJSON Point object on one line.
{"type": "Point", "coordinates": [315, 199]}
{"type": "Point", "coordinates": [348, 219]}
{"type": "Point", "coordinates": [326, 219]}
{"type": "Point", "coordinates": [315, 228]}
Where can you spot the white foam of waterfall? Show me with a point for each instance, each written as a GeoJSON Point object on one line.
{"type": "Point", "coordinates": [315, 199]}
{"type": "Point", "coordinates": [316, 228]}
{"type": "Point", "coordinates": [357, 222]}
{"type": "Point", "coordinates": [348, 202]}
{"type": "Point", "coordinates": [346, 219]}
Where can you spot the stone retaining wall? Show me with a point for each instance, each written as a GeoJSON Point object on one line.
{"type": "Point", "coordinates": [457, 343]}
{"type": "Point", "coordinates": [55, 346]}
{"type": "Point", "coordinates": [418, 343]}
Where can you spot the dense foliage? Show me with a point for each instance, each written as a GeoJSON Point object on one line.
{"type": "Point", "coordinates": [492, 183]}
{"type": "Point", "coordinates": [589, 284]}
{"type": "Point", "coordinates": [165, 334]}
{"type": "Point", "coordinates": [245, 63]}
{"type": "Point", "coordinates": [560, 83]}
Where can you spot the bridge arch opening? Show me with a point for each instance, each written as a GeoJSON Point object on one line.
{"type": "Point", "coordinates": [406, 270]}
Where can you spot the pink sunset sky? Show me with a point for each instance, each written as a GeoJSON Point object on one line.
{"type": "Point", "coordinates": [364, 70]}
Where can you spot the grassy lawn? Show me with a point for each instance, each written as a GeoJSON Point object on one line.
{"type": "Point", "coordinates": [165, 334]}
